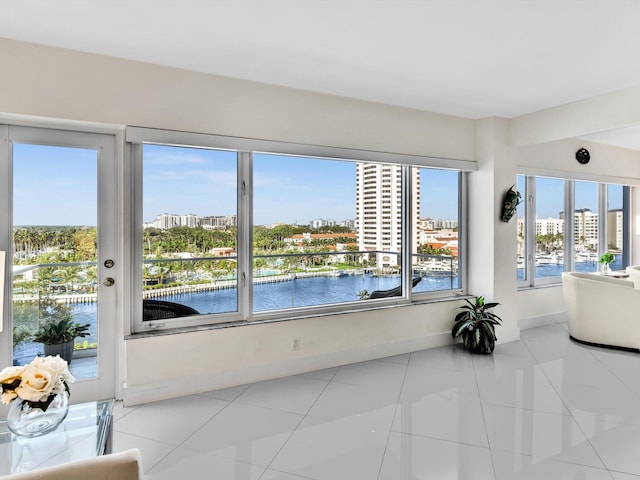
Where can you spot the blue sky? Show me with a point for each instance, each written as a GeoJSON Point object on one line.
{"type": "Point", "coordinates": [57, 186]}
{"type": "Point", "coordinates": [54, 185]}
{"type": "Point", "coordinates": [550, 196]}
{"type": "Point", "coordinates": [286, 189]}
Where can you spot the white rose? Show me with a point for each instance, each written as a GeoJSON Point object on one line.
{"type": "Point", "coordinates": [7, 396]}
{"type": "Point", "coordinates": [37, 384]}
{"type": "Point", "coordinates": [9, 376]}
{"type": "Point", "coordinates": [58, 368]}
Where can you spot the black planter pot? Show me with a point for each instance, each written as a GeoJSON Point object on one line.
{"type": "Point", "coordinates": [65, 350]}
{"type": "Point", "coordinates": [485, 346]}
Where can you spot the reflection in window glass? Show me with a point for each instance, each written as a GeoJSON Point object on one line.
{"type": "Point", "coordinates": [190, 231]}
{"type": "Point", "coordinates": [549, 227]}
{"type": "Point", "coordinates": [436, 258]}
{"type": "Point", "coordinates": [585, 227]}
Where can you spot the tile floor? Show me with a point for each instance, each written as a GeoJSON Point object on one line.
{"type": "Point", "coordinates": [540, 408]}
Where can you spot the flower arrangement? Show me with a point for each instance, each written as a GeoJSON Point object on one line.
{"type": "Point", "coordinates": [36, 383]}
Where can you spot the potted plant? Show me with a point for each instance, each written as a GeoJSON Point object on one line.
{"type": "Point", "coordinates": [476, 324]}
{"type": "Point", "coordinates": [58, 330]}
{"type": "Point", "coordinates": [606, 259]}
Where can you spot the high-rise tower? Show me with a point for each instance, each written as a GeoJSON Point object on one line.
{"type": "Point", "coordinates": [379, 210]}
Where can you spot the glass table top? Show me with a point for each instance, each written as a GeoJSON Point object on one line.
{"type": "Point", "coordinates": [85, 433]}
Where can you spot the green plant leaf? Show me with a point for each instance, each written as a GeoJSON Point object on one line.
{"type": "Point", "coordinates": [461, 327]}
{"type": "Point", "coordinates": [476, 337]}
{"type": "Point", "coordinates": [488, 330]}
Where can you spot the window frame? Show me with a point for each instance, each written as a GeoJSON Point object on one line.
{"type": "Point", "coordinates": [530, 216]}
{"type": "Point", "coordinates": [245, 148]}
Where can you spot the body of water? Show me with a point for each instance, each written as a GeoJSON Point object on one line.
{"type": "Point", "coordinates": [555, 270]}
{"type": "Point", "coordinates": [301, 292]}
{"type": "Point", "coordinates": [304, 292]}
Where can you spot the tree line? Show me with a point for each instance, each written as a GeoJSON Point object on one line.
{"type": "Point", "coordinates": [54, 244]}
{"type": "Point", "coordinates": [201, 241]}
{"type": "Point", "coordinates": [58, 244]}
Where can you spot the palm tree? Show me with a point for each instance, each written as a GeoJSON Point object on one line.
{"type": "Point", "coordinates": [259, 264]}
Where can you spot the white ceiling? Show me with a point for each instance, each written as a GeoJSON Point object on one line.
{"type": "Point", "coordinates": [471, 58]}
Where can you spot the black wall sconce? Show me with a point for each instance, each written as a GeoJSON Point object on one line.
{"type": "Point", "coordinates": [511, 201]}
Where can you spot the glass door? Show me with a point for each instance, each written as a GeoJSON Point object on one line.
{"type": "Point", "coordinates": [61, 253]}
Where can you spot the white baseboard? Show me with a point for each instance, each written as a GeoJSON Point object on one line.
{"type": "Point", "coordinates": [139, 394]}
{"type": "Point", "coordinates": [542, 320]}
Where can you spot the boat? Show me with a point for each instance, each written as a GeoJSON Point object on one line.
{"type": "Point", "coordinates": [434, 266]}
{"type": "Point", "coordinates": [338, 273]}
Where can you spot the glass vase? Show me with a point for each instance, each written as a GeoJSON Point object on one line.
{"type": "Point", "coordinates": [32, 419]}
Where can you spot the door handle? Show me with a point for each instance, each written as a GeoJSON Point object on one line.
{"type": "Point", "coordinates": [108, 282]}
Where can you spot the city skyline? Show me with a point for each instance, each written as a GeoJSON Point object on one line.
{"type": "Point", "coordinates": [182, 218]}
{"type": "Point", "coordinates": [286, 189]}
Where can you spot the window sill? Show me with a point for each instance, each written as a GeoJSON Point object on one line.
{"type": "Point", "coordinates": [538, 287]}
{"type": "Point", "coordinates": [262, 321]}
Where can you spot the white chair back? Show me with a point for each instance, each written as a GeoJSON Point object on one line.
{"type": "Point", "coordinates": [125, 465]}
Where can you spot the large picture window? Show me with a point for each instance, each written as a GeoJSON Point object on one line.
{"type": "Point", "coordinates": [573, 223]}
{"type": "Point", "coordinates": [549, 228]}
{"type": "Point", "coordinates": [436, 244]}
{"type": "Point", "coordinates": [586, 245]}
{"type": "Point", "coordinates": [236, 235]}
{"type": "Point", "coordinates": [189, 232]}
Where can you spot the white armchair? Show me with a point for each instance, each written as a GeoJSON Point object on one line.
{"type": "Point", "coordinates": [634, 275]}
{"type": "Point", "coordinates": [602, 310]}
{"type": "Point", "coordinates": [116, 466]}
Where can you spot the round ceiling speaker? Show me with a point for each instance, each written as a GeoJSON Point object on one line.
{"type": "Point", "coordinates": [583, 156]}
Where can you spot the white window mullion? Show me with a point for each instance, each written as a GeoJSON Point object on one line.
{"type": "Point", "coordinates": [463, 239]}
{"type": "Point", "coordinates": [569, 225]}
{"type": "Point", "coordinates": [245, 234]}
{"type": "Point", "coordinates": [6, 222]}
{"type": "Point", "coordinates": [407, 231]}
{"type": "Point", "coordinates": [136, 241]}
{"type": "Point", "coordinates": [603, 207]}
{"type": "Point", "coordinates": [530, 230]}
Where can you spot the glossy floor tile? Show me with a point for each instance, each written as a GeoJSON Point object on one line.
{"type": "Point", "coordinates": [540, 408]}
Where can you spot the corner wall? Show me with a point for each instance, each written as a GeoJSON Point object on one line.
{"type": "Point", "coordinates": [491, 242]}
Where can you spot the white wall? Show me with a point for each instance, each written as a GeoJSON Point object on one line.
{"type": "Point", "coordinates": [54, 83]}
{"type": "Point", "coordinates": [492, 246]}
{"type": "Point", "coordinates": [57, 83]}
{"type": "Point", "coordinates": [592, 115]}
{"type": "Point", "coordinates": [202, 360]}
{"type": "Point", "coordinates": [558, 159]}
